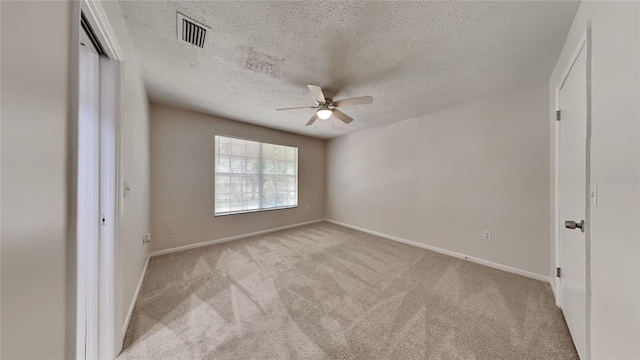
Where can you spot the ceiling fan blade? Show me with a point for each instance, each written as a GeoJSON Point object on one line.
{"type": "Point", "coordinates": [312, 120]}
{"type": "Point", "coordinates": [353, 101]}
{"type": "Point", "coordinates": [316, 91]}
{"type": "Point", "coordinates": [342, 116]}
{"type": "Point", "coordinates": [297, 107]}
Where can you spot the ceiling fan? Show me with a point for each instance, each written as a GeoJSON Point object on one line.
{"type": "Point", "coordinates": [327, 107]}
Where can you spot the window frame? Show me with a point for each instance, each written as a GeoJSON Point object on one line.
{"type": "Point", "coordinates": [238, 212]}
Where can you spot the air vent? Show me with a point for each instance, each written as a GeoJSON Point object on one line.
{"type": "Point", "coordinates": [191, 31]}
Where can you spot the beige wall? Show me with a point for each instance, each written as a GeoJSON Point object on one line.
{"type": "Point", "coordinates": [183, 178]}
{"type": "Point", "coordinates": [615, 167]}
{"type": "Point", "coordinates": [134, 216]}
{"type": "Point", "coordinates": [34, 159]}
{"type": "Point", "coordinates": [38, 288]}
{"type": "Point", "coordinates": [444, 178]}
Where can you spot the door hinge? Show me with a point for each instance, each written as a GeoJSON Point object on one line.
{"type": "Point", "coordinates": [558, 115]}
{"type": "Point", "coordinates": [104, 221]}
{"type": "Point", "coordinates": [558, 272]}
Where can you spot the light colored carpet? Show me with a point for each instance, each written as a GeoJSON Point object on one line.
{"type": "Point", "coordinates": [327, 292]}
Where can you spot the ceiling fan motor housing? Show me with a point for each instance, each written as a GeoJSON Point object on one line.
{"type": "Point", "coordinates": [328, 96]}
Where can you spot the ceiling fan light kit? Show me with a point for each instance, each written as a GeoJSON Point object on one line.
{"type": "Point", "coordinates": [324, 113]}
{"type": "Point", "coordinates": [326, 107]}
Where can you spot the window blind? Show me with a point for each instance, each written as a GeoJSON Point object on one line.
{"type": "Point", "coordinates": [254, 176]}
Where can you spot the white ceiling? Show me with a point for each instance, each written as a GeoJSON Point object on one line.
{"type": "Point", "coordinates": [414, 58]}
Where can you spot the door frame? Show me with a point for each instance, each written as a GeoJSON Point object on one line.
{"type": "Point", "coordinates": [108, 337]}
{"type": "Point", "coordinates": [583, 41]}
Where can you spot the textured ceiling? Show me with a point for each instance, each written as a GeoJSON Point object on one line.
{"type": "Point", "coordinates": [414, 58]}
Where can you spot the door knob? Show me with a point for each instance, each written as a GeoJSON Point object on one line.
{"type": "Point", "coordinates": [570, 224]}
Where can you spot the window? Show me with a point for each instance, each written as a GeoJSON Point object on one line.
{"type": "Point", "coordinates": [254, 176]}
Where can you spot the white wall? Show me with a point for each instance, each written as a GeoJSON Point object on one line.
{"type": "Point", "coordinates": [443, 178]}
{"type": "Point", "coordinates": [34, 123]}
{"type": "Point", "coordinates": [134, 221]}
{"type": "Point", "coordinates": [615, 167]}
{"type": "Point", "coordinates": [183, 178]}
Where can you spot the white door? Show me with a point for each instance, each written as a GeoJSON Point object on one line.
{"type": "Point", "coordinates": [97, 191]}
{"type": "Point", "coordinates": [572, 200]}
{"type": "Point", "coordinates": [88, 199]}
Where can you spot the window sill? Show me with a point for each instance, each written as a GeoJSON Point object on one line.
{"type": "Point", "coordinates": [254, 211]}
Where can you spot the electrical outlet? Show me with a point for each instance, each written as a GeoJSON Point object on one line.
{"type": "Point", "coordinates": [306, 208]}
{"type": "Point", "coordinates": [486, 235]}
{"type": "Point", "coordinates": [171, 230]}
{"type": "Point", "coordinates": [146, 239]}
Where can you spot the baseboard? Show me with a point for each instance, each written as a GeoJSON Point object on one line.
{"type": "Point", "coordinates": [488, 263]}
{"type": "Point", "coordinates": [230, 238]}
{"type": "Point", "coordinates": [135, 299]}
